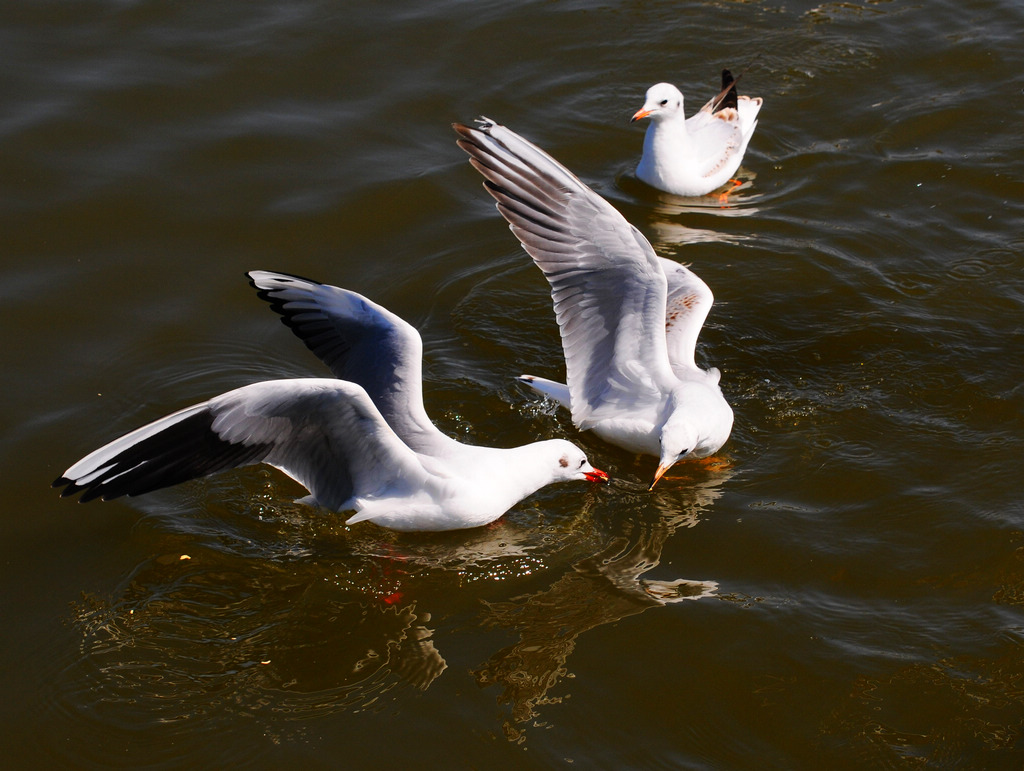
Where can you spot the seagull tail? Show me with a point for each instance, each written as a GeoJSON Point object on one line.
{"type": "Point", "coordinates": [557, 391]}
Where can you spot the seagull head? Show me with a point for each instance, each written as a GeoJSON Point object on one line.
{"type": "Point", "coordinates": [695, 431]}
{"type": "Point", "coordinates": [680, 435]}
{"type": "Point", "coordinates": [663, 101]}
{"type": "Point", "coordinates": [698, 422]}
{"type": "Point", "coordinates": [669, 457]}
{"type": "Point", "coordinates": [573, 464]}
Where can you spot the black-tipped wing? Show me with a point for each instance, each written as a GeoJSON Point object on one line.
{"type": "Point", "coordinates": [169, 451]}
{"type": "Point", "coordinates": [326, 434]}
{"type": "Point", "coordinates": [361, 342]}
{"type": "Point", "coordinates": [607, 284]}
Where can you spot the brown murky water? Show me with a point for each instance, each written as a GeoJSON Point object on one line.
{"type": "Point", "coordinates": [842, 590]}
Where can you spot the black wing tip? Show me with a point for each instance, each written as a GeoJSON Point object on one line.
{"type": "Point", "coordinates": [279, 274]}
{"type": "Point", "coordinates": [69, 485]}
{"type": "Point", "coordinates": [268, 294]}
{"type": "Point", "coordinates": [483, 125]}
{"type": "Point", "coordinates": [729, 98]}
{"type": "Point", "coordinates": [89, 492]}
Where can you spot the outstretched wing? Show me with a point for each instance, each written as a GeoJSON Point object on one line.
{"type": "Point", "coordinates": [607, 283]}
{"type": "Point", "coordinates": [689, 302]}
{"type": "Point", "coordinates": [326, 434]}
{"type": "Point", "coordinates": [361, 342]}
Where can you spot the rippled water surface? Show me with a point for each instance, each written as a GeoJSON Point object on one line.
{"type": "Point", "coordinates": [842, 588]}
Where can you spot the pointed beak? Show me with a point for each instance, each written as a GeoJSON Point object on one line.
{"type": "Point", "coordinates": [659, 473]}
{"type": "Point", "coordinates": [596, 475]}
{"type": "Point", "coordinates": [641, 113]}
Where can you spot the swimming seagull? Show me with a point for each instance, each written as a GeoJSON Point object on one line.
{"type": "Point", "coordinates": [693, 156]}
{"type": "Point", "coordinates": [361, 442]}
{"type": "Point", "coordinates": [629, 319]}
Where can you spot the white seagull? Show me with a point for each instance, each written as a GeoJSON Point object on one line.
{"type": "Point", "coordinates": [361, 442]}
{"type": "Point", "coordinates": [694, 156]}
{"type": "Point", "coordinates": [629, 319]}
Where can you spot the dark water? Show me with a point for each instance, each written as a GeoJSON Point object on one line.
{"type": "Point", "coordinates": [842, 590]}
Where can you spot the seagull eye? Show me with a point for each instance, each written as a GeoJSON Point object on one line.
{"type": "Point", "coordinates": [664, 102]}
{"type": "Point", "coordinates": [582, 462]}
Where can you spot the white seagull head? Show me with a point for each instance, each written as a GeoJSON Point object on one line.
{"type": "Point", "coordinates": [663, 101]}
{"type": "Point", "coordinates": [569, 462]}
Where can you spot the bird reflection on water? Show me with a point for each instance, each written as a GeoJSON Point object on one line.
{"type": "Point", "coordinates": [350, 620]}
{"type": "Point", "coordinates": [603, 588]}
{"type": "Point", "coordinates": [666, 213]}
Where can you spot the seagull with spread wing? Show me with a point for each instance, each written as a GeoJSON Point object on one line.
{"type": "Point", "coordinates": [359, 442]}
{"type": "Point", "coordinates": [629, 320]}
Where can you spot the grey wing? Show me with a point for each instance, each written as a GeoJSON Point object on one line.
{"type": "Point", "coordinates": [689, 302]}
{"type": "Point", "coordinates": [607, 284]}
{"type": "Point", "coordinates": [360, 342]}
{"type": "Point", "coordinates": [326, 434]}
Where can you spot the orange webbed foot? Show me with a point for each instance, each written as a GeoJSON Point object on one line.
{"type": "Point", "coordinates": [724, 196]}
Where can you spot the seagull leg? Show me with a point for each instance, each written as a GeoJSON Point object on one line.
{"type": "Point", "coordinates": [724, 197]}
{"type": "Point", "coordinates": [713, 463]}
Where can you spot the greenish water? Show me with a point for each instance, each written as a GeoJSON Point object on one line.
{"type": "Point", "coordinates": [843, 590]}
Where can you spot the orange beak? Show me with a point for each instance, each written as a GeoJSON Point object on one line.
{"type": "Point", "coordinates": [596, 475]}
{"type": "Point", "coordinates": [641, 113]}
{"type": "Point", "coordinates": [659, 473]}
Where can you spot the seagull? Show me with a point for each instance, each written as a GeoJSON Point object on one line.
{"type": "Point", "coordinates": [693, 156]}
{"type": "Point", "coordinates": [361, 441]}
{"type": "Point", "coordinates": [629, 319]}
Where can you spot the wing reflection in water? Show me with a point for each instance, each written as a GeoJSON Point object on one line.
{"type": "Point", "coordinates": [601, 589]}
